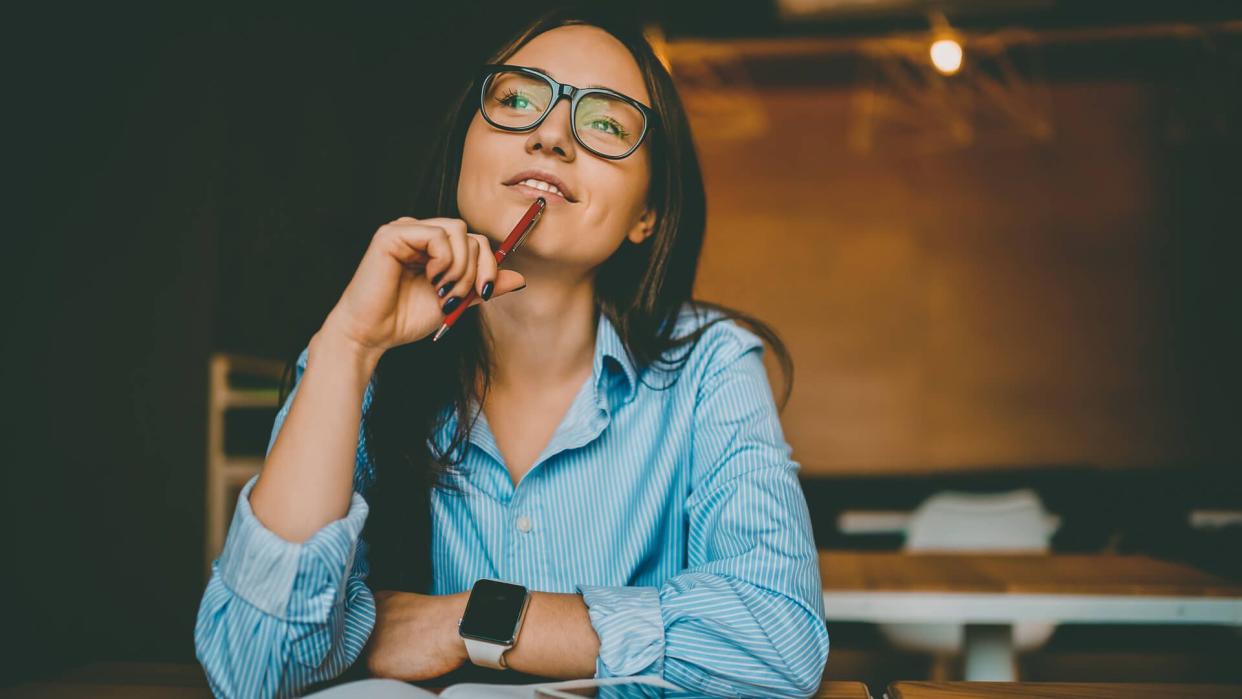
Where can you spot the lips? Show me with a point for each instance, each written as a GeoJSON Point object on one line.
{"type": "Point", "coordinates": [542, 181]}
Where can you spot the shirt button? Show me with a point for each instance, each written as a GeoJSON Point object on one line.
{"type": "Point", "coordinates": [523, 524]}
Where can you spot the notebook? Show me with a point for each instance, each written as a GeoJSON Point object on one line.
{"type": "Point", "coordinates": [612, 687]}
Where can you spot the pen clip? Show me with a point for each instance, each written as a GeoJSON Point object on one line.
{"type": "Point", "coordinates": [530, 226]}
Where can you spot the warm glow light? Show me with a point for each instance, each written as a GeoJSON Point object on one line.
{"type": "Point", "coordinates": [655, 37]}
{"type": "Point", "coordinates": [946, 56]}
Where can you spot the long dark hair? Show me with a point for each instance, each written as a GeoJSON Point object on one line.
{"type": "Point", "coordinates": [642, 288]}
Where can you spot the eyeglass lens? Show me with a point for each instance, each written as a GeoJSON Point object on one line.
{"type": "Point", "coordinates": [603, 123]}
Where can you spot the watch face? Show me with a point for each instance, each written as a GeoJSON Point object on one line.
{"type": "Point", "coordinates": [493, 611]}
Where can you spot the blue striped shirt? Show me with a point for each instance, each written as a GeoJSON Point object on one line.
{"type": "Point", "coordinates": [674, 511]}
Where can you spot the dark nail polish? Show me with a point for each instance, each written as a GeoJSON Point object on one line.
{"type": "Point", "coordinates": [444, 289]}
{"type": "Point", "coordinates": [436, 279]}
{"type": "Point", "coordinates": [451, 305]}
{"type": "Point", "coordinates": [487, 291]}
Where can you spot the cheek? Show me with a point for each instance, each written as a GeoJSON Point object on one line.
{"type": "Point", "coordinates": [474, 153]}
{"type": "Point", "coordinates": [619, 196]}
{"type": "Point", "coordinates": [476, 160]}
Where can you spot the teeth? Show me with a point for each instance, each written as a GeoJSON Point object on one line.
{"type": "Point", "coordinates": [542, 186]}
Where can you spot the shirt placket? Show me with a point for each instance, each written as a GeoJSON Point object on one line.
{"type": "Point", "coordinates": [528, 529]}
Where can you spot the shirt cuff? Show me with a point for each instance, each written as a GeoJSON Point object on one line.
{"type": "Point", "coordinates": [630, 629]}
{"type": "Point", "coordinates": [261, 568]}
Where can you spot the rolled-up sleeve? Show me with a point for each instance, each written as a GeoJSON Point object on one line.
{"type": "Point", "coordinates": [746, 617]}
{"type": "Point", "coordinates": [279, 616]}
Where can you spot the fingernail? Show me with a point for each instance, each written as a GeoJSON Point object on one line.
{"type": "Point", "coordinates": [520, 287]}
{"type": "Point", "coordinates": [436, 279]}
{"type": "Point", "coordinates": [444, 289]}
{"type": "Point", "coordinates": [451, 305]}
{"type": "Point", "coordinates": [487, 291]}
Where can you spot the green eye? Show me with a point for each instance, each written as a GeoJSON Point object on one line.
{"type": "Point", "coordinates": [607, 126]}
{"type": "Point", "coordinates": [515, 100]}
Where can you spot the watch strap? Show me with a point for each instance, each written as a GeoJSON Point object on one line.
{"type": "Point", "coordinates": [489, 654]}
{"type": "Point", "coordinates": [486, 654]}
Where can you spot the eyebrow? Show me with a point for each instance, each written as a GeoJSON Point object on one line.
{"type": "Point", "coordinates": [592, 86]}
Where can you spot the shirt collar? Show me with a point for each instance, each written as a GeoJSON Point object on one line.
{"type": "Point", "coordinates": [611, 357]}
{"type": "Point", "coordinates": [615, 383]}
{"type": "Point", "coordinates": [611, 367]}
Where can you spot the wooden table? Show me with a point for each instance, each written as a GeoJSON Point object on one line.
{"type": "Point", "coordinates": [1058, 690]}
{"type": "Point", "coordinates": [989, 593]}
{"type": "Point", "coordinates": [175, 681]}
{"type": "Point", "coordinates": [120, 681]}
{"type": "Point", "coordinates": [843, 690]}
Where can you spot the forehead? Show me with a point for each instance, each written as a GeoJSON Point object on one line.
{"type": "Point", "coordinates": [584, 56]}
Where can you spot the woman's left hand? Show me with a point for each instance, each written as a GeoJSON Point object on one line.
{"type": "Point", "coordinates": [415, 636]}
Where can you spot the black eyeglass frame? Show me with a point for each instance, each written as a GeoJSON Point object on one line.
{"type": "Point", "coordinates": [573, 94]}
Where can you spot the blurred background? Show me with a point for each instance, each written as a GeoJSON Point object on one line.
{"type": "Point", "coordinates": [1006, 267]}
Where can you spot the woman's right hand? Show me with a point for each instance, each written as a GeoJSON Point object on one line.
{"type": "Point", "coordinates": [392, 301]}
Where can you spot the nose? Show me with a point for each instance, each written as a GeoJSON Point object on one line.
{"type": "Point", "coordinates": [554, 135]}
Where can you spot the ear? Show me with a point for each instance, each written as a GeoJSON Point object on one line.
{"type": "Point", "coordinates": [643, 227]}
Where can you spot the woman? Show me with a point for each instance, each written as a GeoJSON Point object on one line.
{"type": "Point", "coordinates": [596, 437]}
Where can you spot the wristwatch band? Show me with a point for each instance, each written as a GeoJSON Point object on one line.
{"type": "Point", "coordinates": [491, 654]}
{"type": "Point", "coordinates": [487, 654]}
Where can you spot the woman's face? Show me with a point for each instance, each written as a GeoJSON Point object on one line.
{"type": "Point", "coordinates": [606, 200]}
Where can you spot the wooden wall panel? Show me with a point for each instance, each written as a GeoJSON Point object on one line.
{"type": "Point", "coordinates": [994, 305]}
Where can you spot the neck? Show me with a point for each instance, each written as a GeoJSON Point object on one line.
{"type": "Point", "coordinates": [543, 335]}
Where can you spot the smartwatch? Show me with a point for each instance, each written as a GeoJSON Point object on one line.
{"type": "Point", "coordinates": [493, 618]}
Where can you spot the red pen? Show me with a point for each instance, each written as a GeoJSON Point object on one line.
{"type": "Point", "coordinates": [519, 233]}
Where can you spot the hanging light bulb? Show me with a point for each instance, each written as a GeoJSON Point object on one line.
{"type": "Point", "coordinates": [946, 56]}
{"type": "Point", "coordinates": [945, 51]}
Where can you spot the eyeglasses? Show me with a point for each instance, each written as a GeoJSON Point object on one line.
{"type": "Point", "coordinates": [605, 122]}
